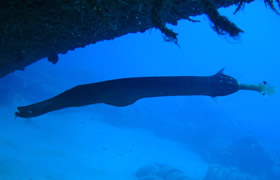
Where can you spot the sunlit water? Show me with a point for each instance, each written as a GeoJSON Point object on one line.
{"type": "Point", "coordinates": [184, 133]}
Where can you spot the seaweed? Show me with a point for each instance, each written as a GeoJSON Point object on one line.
{"type": "Point", "coordinates": [241, 5]}
{"type": "Point", "coordinates": [270, 3]}
{"type": "Point", "coordinates": [158, 22]}
{"type": "Point", "coordinates": [221, 23]}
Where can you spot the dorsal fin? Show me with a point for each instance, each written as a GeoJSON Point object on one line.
{"type": "Point", "coordinates": [220, 72]}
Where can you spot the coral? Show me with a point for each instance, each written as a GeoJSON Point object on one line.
{"type": "Point", "coordinates": [270, 3]}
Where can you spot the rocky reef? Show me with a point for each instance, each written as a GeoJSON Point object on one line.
{"type": "Point", "coordinates": [160, 172]}
{"type": "Point", "coordinates": [34, 29]}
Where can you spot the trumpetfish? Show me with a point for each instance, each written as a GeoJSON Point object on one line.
{"type": "Point", "coordinates": [126, 91]}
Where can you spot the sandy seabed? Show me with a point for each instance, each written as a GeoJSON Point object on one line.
{"type": "Point", "coordinates": [79, 146]}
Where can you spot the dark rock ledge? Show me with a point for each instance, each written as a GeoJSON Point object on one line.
{"type": "Point", "coordinates": [34, 29]}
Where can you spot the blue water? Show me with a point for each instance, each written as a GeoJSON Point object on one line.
{"type": "Point", "coordinates": [231, 137]}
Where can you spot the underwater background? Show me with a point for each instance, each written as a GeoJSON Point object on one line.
{"type": "Point", "coordinates": [165, 138]}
